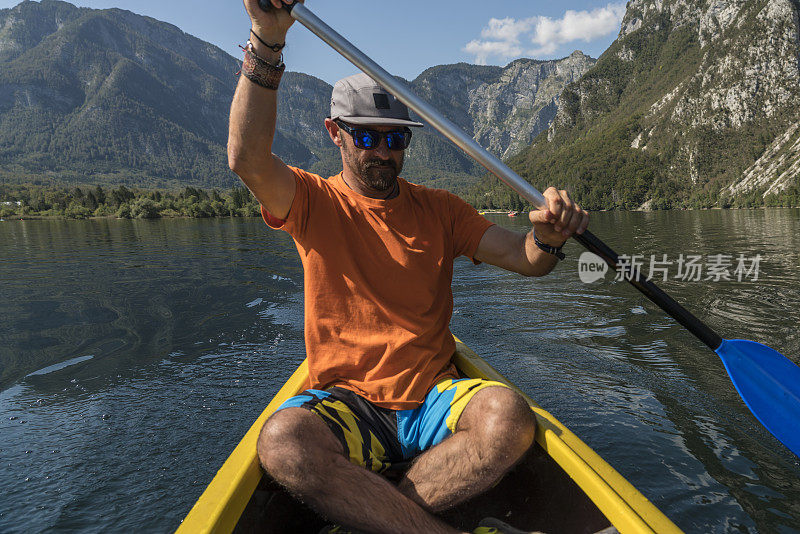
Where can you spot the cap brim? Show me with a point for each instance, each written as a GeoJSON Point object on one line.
{"type": "Point", "coordinates": [380, 121]}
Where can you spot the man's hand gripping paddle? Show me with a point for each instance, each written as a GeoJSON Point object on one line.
{"type": "Point", "coordinates": [766, 380]}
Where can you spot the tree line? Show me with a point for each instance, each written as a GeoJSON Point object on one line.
{"type": "Point", "coordinates": [124, 203]}
{"type": "Point", "coordinates": [133, 203]}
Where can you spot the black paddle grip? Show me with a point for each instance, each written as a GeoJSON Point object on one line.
{"type": "Point", "coordinates": [703, 332]}
{"type": "Point", "coordinates": [266, 5]}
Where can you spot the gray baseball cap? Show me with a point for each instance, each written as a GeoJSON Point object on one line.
{"type": "Point", "coordinates": [358, 99]}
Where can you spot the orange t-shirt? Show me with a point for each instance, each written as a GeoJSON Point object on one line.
{"type": "Point", "coordinates": [377, 274]}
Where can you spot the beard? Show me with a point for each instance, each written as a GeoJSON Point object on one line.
{"type": "Point", "coordinates": [378, 174]}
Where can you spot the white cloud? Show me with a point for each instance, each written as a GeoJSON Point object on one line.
{"type": "Point", "coordinates": [507, 38]}
{"type": "Point", "coordinates": [506, 29]}
{"type": "Point", "coordinates": [483, 50]}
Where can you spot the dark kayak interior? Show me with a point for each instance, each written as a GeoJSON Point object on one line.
{"type": "Point", "coordinates": [536, 495]}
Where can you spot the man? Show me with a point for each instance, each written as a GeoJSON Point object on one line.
{"type": "Point", "coordinates": [378, 254]}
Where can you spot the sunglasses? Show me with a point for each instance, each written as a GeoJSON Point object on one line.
{"type": "Point", "coordinates": [369, 139]}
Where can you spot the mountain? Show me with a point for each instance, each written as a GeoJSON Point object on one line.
{"type": "Point", "coordinates": [107, 96]}
{"type": "Point", "coordinates": [98, 96]}
{"type": "Point", "coordinates": [503, 108]}
{"type": "Point", "coordinates": [696, 103]}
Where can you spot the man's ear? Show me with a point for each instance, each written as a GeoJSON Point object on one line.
{"type": "Point", "coordinates": [333, 132]}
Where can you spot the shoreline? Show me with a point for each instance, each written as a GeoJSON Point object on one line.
{"type": "Point", "coordinates": [34, 217]}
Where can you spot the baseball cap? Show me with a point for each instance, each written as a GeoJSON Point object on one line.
{"type": "Point", "coordinates": [359, 100]}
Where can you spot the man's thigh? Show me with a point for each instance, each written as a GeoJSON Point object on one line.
{"type": "Point", "coordinates": [496, 410]}
{"type": "Point", "coordinates": [442, 413]}
{"type": "Point", "coordinates": [367, 434]}
{"type": "Point", "coordinates": [295, 433]}
{"type": "Point", "coordinates": [380, 439]}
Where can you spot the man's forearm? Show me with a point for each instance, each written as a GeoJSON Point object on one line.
{"type": "Point", "coordinates": [254, 110]}
{"type": "Point", "coordinates": [556, 222]}
{"type": "Point", "coordinates": [252, 125]}
{"type": "Point", "coordinates": [539, 262]}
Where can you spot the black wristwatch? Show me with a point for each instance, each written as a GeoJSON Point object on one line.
{"type": "Point", "coordinates": [555, 251]}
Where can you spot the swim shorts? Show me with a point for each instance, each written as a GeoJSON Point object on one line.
{"type": "Point", "coordinates": [379, 438]}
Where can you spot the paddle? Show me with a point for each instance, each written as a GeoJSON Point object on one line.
{"type": "Point", "coordinates": [766, 380]}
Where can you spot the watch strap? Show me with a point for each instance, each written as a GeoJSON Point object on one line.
{"type": "Point", "coordinates": [555, 251]}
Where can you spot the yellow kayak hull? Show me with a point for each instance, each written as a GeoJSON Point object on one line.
{"type": "Point", "coordinates": [581, 492]}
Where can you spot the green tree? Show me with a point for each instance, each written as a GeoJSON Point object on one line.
{"type": "Point", "coordinates": [76, 210]}
{"type": "Point", "coordinates": [100, 195]}
{"type": "Point", "coordinates": [121, 195]}
{"type": "Point", "coordinates": [90, 201]}
{"type": "Point", "coordinates": [144, 208]}
{"type": "Point", "coordinates": [124, 211]}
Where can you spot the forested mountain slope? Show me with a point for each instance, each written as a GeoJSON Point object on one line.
{"type": "Point", "coordinates": [107, 97]}
{"type": "Point", "coordinates": [696, 104]}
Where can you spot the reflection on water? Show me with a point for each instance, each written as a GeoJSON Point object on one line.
{"type": "Point", "coordinates": [135, 354]}
{"type": "Point", "coordinates": [131, 291]}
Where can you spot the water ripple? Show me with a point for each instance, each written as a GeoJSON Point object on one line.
{"type": "Point", "coordinates": [193, 325]}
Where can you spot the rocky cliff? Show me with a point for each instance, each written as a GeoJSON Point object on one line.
{"type": "Point", "coordinates": [503, 108]}
{"type": "Point", "coordinates": [695, 104]}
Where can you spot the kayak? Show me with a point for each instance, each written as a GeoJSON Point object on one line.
{"type": "Point", "coordinates": [561, 485]}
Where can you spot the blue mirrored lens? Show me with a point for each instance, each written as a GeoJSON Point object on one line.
{"type": "Point", "coordinates": [398, 140]}
{"type": "Point", "coordinates": [364, 139]}
{"type": "Point", "coordinates": [370, 139]}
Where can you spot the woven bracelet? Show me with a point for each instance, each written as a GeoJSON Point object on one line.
{"type": "Point", "coordinates": [259, 71]}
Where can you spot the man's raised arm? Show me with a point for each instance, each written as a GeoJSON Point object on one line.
{"type": "Point", "coordinates": [254, 110]}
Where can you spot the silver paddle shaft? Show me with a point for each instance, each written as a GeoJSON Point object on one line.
{"type": "Point", "coordinates": [428, 113]}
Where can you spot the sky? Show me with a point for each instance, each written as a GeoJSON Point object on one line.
{"type": "Point", "coordinates": [404, 37]}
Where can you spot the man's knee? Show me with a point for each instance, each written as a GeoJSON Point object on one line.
{"type": "Point", "coordinates": [292, 442]}
{"type": "Point", "coordinates": [503, 419]}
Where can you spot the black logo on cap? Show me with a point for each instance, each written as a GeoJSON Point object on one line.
{"type": "Point", "coordinates": [381, 101]}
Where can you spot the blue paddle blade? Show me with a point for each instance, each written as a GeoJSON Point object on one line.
{"type": "Point", "coordinates": [769, 384]}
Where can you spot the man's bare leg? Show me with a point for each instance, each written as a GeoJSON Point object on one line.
{"type": "Point", "coordinates": [494, 431]}
{"type": "Point", "coordinates": [300, 452]}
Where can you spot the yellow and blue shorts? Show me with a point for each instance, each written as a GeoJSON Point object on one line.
{"type": "Point", "coordinates": [380, 438]}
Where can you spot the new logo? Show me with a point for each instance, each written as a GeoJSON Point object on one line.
{"type": "Point", "coordinates": [591, 267]}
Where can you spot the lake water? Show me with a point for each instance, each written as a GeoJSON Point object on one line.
{"type": "Point", "coordinates": [135, 354]}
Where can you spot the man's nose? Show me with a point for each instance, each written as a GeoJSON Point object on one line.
{"type": "Point", "coordinates": [382, 150]}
